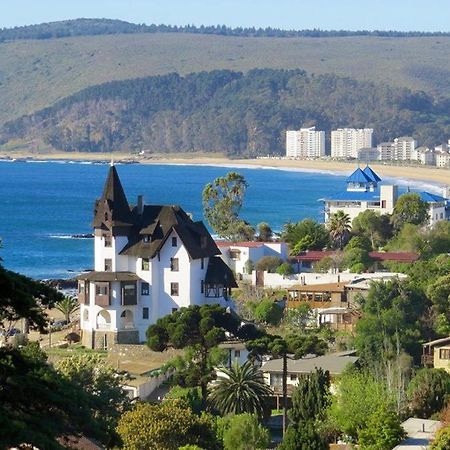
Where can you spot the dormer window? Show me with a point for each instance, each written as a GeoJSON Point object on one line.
{"type": "Point", "coordinates": [145, 264]}
{"type": "Point", "coordinates": [146, 238]}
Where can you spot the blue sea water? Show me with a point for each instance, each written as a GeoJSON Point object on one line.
{"type": "Point", "coordinates": [43, 203]}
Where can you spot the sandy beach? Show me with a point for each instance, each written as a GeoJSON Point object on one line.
{"type": "Point", "coordinates": [434, 175]}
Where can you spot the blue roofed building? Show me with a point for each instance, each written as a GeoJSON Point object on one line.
{"type": "Point", "coordinates": [365, 190]}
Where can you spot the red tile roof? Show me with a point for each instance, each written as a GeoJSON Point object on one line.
{"type": "Point", "coordinates": [408, 257]}
{"type": "Point", "coordinates": [313, 255]}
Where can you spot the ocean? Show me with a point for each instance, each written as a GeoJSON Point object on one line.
{"type": "Point", "coordinates": [42, 204]}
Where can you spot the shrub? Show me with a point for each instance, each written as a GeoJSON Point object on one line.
{"type": "Point", "coordinates": [244, 432]}
{"type": "Point", "coordinates": [268, 312]}
{"type": "Point", "coordinates": [269, 263]}
{"type": "Point", "coordinates": [285, 269]}
{"type": "Point", "coordinates": [357, 268]}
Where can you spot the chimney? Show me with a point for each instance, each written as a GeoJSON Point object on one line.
{"type": "Point", "coordinates": [140, 204]}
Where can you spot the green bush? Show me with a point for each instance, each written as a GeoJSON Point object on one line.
{"type": "Point", "coordinates": [269, 263]}
{"type": "Point", "coordinates": [285, 269]}
{"type": "Point", "coordinates": [268, 312]}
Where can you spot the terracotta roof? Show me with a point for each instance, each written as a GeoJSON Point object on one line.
{"type": "Point", "coordinates": [313, 255]}
{"type": "Point", "coordinates": [394, 256]}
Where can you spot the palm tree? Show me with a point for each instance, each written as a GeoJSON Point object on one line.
{"type": "Point", "coordinates": [67, 306]}
{"type": "Point", "coordinates": [240, 389]}
{"type": "Point", "coordinates": [340, 228]}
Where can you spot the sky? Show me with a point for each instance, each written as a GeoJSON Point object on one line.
{"type": "Point", "coordinates": [402, 15]}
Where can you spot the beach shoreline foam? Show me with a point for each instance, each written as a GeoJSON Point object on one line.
{"type": "Point", "coordinates": [431, 178]}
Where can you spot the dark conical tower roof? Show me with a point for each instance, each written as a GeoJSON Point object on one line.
{"type": "Point", "coordinates": [113, 189]}
{"type": "Point", "coordinates": [112, 209]}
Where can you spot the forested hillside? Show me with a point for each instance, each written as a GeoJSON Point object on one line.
{"type": "Point", "coordinates": [236, 113]}
{"type": "Point", "coordinates": [35, 73]}
{"type": "Point", "coordinates": [93, 27]}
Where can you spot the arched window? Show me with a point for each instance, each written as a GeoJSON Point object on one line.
{"type": "Point", "coordinates": [126, 319]}
{"type": "Point", "coordinates": [103, 320]}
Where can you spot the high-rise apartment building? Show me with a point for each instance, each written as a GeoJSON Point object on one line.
{"type": "Point", "coordinates": [386, 151]}
{"type": "Point", "coordinates": [305, 143]}
{"type": "Point", "coordinates": [404, 148]}
{"type": "Point", "coordinates": [345, 142]}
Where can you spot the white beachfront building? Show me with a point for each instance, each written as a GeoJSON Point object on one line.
{"type": "Point", "coordinates": [150, 260]}
{"type": "Point", "coordinates": [365, 191]}
{"type": "Point", "coordinates": [305, 143]}
{"type": "Point", "coordinates": [241, 256]}
{"type": "Point", "coordinates": [345, 142]}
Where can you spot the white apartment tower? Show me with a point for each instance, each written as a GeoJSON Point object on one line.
{"type": "Point", "coordinates": [345, 142]}
{"type": "Point", "coordinates": [386, 151]}
{"type": "Point", "coordinates": [403, 148]}
{"type": "Point", "coordinates": [150, 260]}
{"type": "Point", "coordinates": [305, 143]}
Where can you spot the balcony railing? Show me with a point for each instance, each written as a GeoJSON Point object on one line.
{"type": "Point", "coordinates": [104, 326]}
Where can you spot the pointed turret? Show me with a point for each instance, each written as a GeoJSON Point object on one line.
{"type": "Point", "coordinates": [359, 181]}
{"type": "Point", "coordinates": [371, 173]}
{"type": "Point", "coordinates": [112, 209]}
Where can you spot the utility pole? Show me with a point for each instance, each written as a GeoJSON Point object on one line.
{"type": "Point", "coordinates": [284, 392]}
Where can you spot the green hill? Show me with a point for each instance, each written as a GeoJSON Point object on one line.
{"type": "Point", "coordinates": [225, 111]}
{"type": "Point", "coordinates": [37, 73]}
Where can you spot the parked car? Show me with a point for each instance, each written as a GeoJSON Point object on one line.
{"type": "Point", "coordinates": [10, 332]}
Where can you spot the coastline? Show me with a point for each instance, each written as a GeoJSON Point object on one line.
{"type": "Point", "coordinates": [432, 175]}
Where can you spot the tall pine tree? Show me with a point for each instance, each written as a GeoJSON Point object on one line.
{"type": "Point", "coordinates": [309, 401]}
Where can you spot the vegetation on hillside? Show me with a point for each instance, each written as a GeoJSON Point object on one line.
{"type": "Point", "coordinates": [241, 115]}
{"type": "Point", "coordinates": [37, 71]}
{"type": "Point", "coordinates": [92, 27]}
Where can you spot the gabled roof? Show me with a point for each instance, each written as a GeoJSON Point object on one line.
{"type": "Point", "coordinates": [334, 363]}
{"type": "Point", "coordinates": [358, 176]}
{"type": "Point", "coordinates": [371, 174]}
{"type": "Point", "coordinates": [149, 226]}
{"type": "Point", "coordinates": [157, 222]}
{"type": "Point", "coordinates": [219, 273]}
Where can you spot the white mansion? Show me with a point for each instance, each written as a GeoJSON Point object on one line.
{"type": "Point", "coordinates": [150, 260]}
